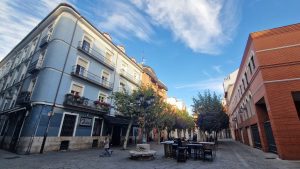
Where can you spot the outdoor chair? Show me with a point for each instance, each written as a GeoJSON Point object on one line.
{"type": "Point", "coordinates": [182, 154]}
{"type": "Point", "coordinates": [209, 150]}
{"type": "Point", "coordinates": [174, 150]}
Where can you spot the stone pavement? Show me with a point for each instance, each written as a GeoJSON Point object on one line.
{"type": "Point", "coordinates": [230, 155]}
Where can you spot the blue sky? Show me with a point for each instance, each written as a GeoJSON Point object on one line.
{"type": "Point", "coordinates": [192, 45]}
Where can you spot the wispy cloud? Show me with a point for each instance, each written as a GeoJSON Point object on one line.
{"type": "Point", "coordinates": [217, 68]}
{"type": "Point", "coordinates": [214, 84]}
{"type": "Point", "coordinates": [203, 25]}
{"type": "Point", "coordinates": [125, 21]}
{"type": "Point", "coordinates": [18, 19]}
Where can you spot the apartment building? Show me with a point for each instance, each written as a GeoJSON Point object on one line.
{"type": "Point", "coordinates": [55, 86]}
{"type": "Point", "coordinates": [264, 105]}
{"type": "Point", "coordinates": [149, 78]}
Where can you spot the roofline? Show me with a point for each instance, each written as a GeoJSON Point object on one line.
{"type": "Point", "coordinates": [70, 6]}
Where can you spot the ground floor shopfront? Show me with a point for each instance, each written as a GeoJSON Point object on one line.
{"type": "Point", "coordinates": [275, 126]}
{"type": "Point", "coordinates": [27, 130]}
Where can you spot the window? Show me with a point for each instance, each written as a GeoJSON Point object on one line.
{"type": "Point", "coordinates": [249, 67]}
{"type": "Point", "coordinates": [122, 86]}
{"type": "Point", "coordinates": [81, 67]}
{"type": "Point", "coordinates": [124, 66]}
{"type": "Point", "coordinates": [252, 61]}
{"type": "Point", "coordinates": [69, 124]}
{"type": "Point", "coordinates": [77, 89]}
{"type": "Point", "coordinates": [97, 127]}
{"type": "Point", "coordinates": [33, 46]}
{"type": "Point", "coordinates": [296, 99]}
{"type": "Point", "coordinates": [108, 55]}
{"type": "Point", "coordinates": [244, 84]}
{"type": "Point", "coordinates": [41, 59]}
{"type": "Point", "coordinates": [31, 85]}
{"type": "Point", "coordinates": [105, 77]}
{"type": "Point", "coordinates": [136, 75]}
{"type": "Point", "coordinates": [102, 97]}
{"type": "Point", "coordinates": [246, 78]}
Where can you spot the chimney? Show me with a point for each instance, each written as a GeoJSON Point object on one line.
{"type": "Point", "coordinates": [107, 36]}
{"type": "Point", "coordinates": [121, 47]}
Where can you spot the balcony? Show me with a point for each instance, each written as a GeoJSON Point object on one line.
{"type": "Point", "coordinates": [35, 66]}
{"type": "Point", "coordinates": [130, 77]}
{"type": "Point", "coordinates": [95, 55]}
{"type": "Point", "coordinates": [23, 98]}
{"type": "Point", "coordinates": [44, 41]}
{"type": "Point", "coordinates": [86, 104]}
{"type": "Point", "coordinates": [80, 72]}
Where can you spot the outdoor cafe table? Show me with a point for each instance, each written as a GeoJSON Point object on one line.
{"type": "Point", "coordinates": [194, 147]}
{"type": "Point", "coordinates": [168, 148]}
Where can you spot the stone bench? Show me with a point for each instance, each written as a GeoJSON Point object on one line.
{"type": "Point", "coordinates": [142, 152]}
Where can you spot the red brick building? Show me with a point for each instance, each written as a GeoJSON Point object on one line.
{"type": "Point", "coordinates": [265, 104]}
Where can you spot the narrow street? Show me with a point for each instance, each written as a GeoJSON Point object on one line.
{"type": "Point", "coordinates": [230, 155]}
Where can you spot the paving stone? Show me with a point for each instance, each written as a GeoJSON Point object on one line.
{"type": "Point", "coordinates": [230, 155]}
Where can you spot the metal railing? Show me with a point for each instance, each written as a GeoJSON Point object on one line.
{"type": "Point", "coordinates": [83, 73]}
{"type": "Point", "coordinates": [23, 98]}
{"type": "Point", "coordinates": [95, 54]}
{"type": "Point", "coordinates": [130, 77]}
{"type": "Point", "coordinates": [85, 103]}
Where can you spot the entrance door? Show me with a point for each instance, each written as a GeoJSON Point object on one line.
{"type": "Point", "coordinates": [116, 137]}
{"type": "Point", "coordinates": [16, 134]}
{"type": "Point", "coordinates": [270, 137]}
{"type": "Point", "coordinates": [255, 136]}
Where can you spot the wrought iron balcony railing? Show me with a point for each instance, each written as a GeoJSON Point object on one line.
{"type": "Point", "coordinates": [130, 77]}
{"type": "Point", "coordinates": [80, 72]}
{"type": "Point", "coordinates": [85, 103]}
{"type": "Point", "coordinates": [35, 66]}
{"type": "Point", "coordinates": [96, 55]}
{"type": "Point", "coordinates": [23, 98]}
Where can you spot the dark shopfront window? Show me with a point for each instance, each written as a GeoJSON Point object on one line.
{"type": "Point", "coordinates": [97, 127]}
{"type": "Point", "coordinates": [296, 98]}
{"type": "Point", "coordinates": [68, 125]}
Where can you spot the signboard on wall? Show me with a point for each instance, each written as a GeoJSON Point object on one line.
{"type": "Point", "coordinates": [85, 121]}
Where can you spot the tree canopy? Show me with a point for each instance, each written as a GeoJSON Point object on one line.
{"type": "Point", "coordinates": [211, 116]}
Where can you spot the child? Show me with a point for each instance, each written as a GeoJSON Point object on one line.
{"type": "Point", "coordinates": [106, 146]}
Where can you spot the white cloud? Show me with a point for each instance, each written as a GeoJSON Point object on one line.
{"type": "Point", "coordinates": [18, 19]}
{"type": "Point", "coordinates": [124, 20]}
{"type": "Point", "coordinates": [213, 84]}
{"type": "Point", "coordinates": [203, 25]}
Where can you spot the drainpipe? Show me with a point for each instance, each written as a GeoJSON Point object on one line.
{"type": "Point", "coordinates": [55, 98]}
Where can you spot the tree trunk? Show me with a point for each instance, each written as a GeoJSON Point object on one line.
{"type": "Point", "coordinates": [127, 134]}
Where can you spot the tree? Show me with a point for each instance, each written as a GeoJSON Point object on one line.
{"type": "Point", "coordinates": [165, 118]}
{"type": "Point", "coordinates": [210, 112]}
{"type": "Point", "coordinates": [126, 104]}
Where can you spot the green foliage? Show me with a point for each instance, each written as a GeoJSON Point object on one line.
{"type": "Point", "coordinates": [210, 113]}
{"type": "Point", "coordinates": [207, 102]}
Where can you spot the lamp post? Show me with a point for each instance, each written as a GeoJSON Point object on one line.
{"type": "Point", "coordinates": [144, 102]}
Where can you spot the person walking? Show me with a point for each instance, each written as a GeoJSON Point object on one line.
{"type": "Point", "coordinates": [107, 152]}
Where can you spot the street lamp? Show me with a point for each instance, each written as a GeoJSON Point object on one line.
{"type": "Point", "coordinates": [144, 102]}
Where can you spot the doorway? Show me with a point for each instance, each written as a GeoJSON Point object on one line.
{"type": "Point", "coordinates": [116, 136]}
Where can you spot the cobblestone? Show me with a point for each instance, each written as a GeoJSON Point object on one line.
{"type": "Point", "coordinates": [230, 155]}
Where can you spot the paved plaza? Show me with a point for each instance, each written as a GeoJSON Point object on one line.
{"type": "Point", "coordinates": [230, 155]}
